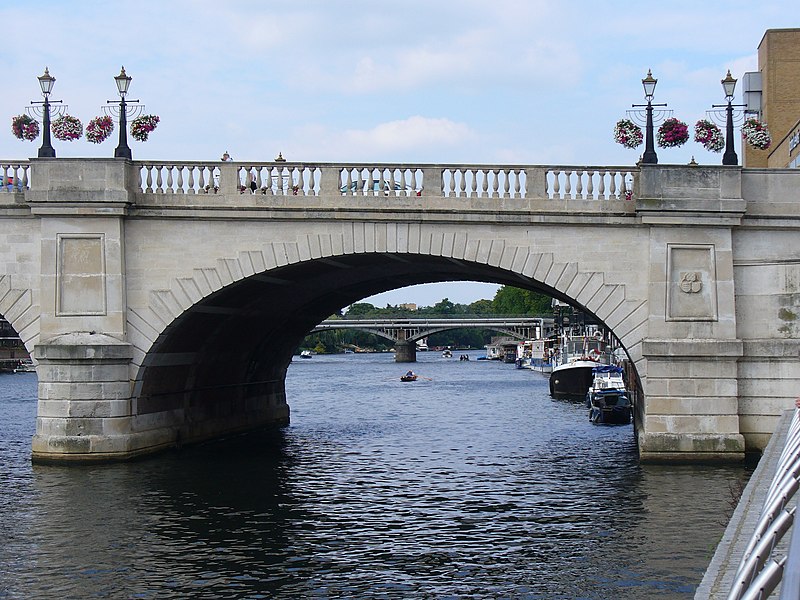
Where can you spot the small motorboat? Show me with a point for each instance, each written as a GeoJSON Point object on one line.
{"type": "Point", "coordinates": [607, 398]}
{"type": "Point", "coordinates": [409, 376]}
{"type": "Point", "coordinates": [306, 354]}
{"type": "Point", "coordinates": [25, 366]}
{"type": "Point", "coordinates": [447, 353]}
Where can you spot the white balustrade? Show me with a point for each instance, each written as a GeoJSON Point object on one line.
{"type": "Point", "coordinates": [178, 178]}
{"type": "Point", "coordinates": [485, 182]}
{"type": "Point", "coordinates": [14, 177]}
{"type": "Point", "coordinates": [279, 179]}
{"type": "Point", "coordinates": [380, 180]}
{"type": "Point", "coordinates": [590, 183]}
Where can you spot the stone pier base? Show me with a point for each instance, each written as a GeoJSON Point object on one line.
{"type": "Point", "coordinates": [87, 413]}
{"type": "Point", "coordinates": [405, 352]}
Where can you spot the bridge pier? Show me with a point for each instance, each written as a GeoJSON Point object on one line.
{"type": "Point", "coordinates": [405, 352]}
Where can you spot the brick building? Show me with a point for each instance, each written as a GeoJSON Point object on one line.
{"type": "Point", "coordinates": [773, 94]}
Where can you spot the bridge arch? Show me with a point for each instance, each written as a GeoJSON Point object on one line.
{"type": "Point", "coordinates": [214, 344]}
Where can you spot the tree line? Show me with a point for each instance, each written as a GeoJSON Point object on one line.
{"type": "Point", "coordinates": [507, 301]}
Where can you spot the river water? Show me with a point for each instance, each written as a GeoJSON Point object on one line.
{"type": "Point", "coordinates": [468, 483]}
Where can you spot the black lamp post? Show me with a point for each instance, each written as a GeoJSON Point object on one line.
{"type": "Point", "coordinates": [649, 85]}
{"type": "Point", "coordinates": [46, 82]}
{"type": "Point", "coordinates": [729, 158]}
{"type": "Point", "coordinates": [123, 81]}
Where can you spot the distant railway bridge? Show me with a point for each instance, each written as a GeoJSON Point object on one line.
{"type": "Point", "coordinates": [406, 332]}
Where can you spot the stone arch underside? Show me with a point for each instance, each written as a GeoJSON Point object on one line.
{"type": "Point", "coordinates": [218, 341]}
{"type": "Point", "coordinates": [17, 306]}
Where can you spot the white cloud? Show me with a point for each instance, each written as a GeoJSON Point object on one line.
{"type": "Point", "coordinates": [409, 133]}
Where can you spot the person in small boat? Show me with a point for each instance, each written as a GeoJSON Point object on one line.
{"type": "Point", "coordinates": [410, 374]}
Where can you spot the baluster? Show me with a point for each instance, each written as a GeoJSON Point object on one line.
{"type": "Point", "coordinates": [506, 183]}
{"type": "Point", "coordinates": [159, 180]}
{"type": "Point", "coordinates": [624, 186]}
{"type": "Point", "coordinates": [517, 182]}
{"type": "Point", "coordinates": [601, 185]}
{"type": "Point", "coordinates": [463, 184]}
{"type": "Point", "coordinates": [612, 192]}
{"type": "Point", "coordinates": [568, 184]}
{"type": "Point", "coordinates": [348, 183]}
{"type": "Point", "coordinates": [179, 173]}
{"type": "Point", "coordinates": [169, 189]}
{"type": "Point", "coordinates": [25, 173]}
{"type": "Point", "coordinates": [4, 174]}
{"type": "Point", "coordinates": [201, 184]}
{"type": "Point", "coordinates": [149, 169]}
{"type": "Point", "coordinates": [557, 185]}
{"type": "Point", "coordinates": [267, 181]}
{"type": "Point", "coordinates": [382, 183]}
{"type": "Point", "coordinates": [590, 185]}
{"type": "Point", "coordinates": [579, 185]}
{"type": "Point", "coordinates": [190, 189]}
{"type": "Point", "coordinates": [368, 188]}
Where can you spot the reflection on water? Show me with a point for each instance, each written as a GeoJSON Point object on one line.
{"type": "Point", "coordinates": [471, 483]}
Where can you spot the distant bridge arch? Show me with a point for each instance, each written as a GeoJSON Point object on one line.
{"type": "Point", "coordinates": [407, 331]}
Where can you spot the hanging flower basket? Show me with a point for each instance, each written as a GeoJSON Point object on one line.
{"type": "Point", "coordinates": [142, 127]}
{"type": "Point", "coordinates": [25, 128]}
{"type": "Point", "coordinates": [672, 133]}
{"type": "Point", "coordinates": [756, 134]}
{"type": "Point", "coordinates": [99, 129]}
{"type": "Point", "coordinates": [627, 133]}
{"type": "Point", "coordinates": [67, 128]}
{"type": "Point", "coordinates": [708, 134]}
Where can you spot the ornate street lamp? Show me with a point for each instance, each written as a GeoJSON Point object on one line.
{"type": "Point", "coordinates": [123, 111]}
{"type": "Point", "coordinates": [46, 82]}
{"type": "Point", "coordinates": [649, 85]}
{"type": "Point", "coordinates": [729, 158]}
{"type": "Point", "coordinates": [728, 85]}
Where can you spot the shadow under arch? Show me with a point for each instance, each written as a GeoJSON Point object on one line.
{"type": "Point", "coordinates": [220, 365]}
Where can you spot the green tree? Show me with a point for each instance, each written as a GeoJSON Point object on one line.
{"type": "Point", "coordinates": [481, 307]}
{"type": "Point", "coordinates": [361, 309]}
{"type": "Point", "coordinates": [444, 307]}
{"type": "Point", "coordinates": [516, 301]}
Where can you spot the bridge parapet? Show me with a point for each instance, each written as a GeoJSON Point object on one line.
{"type": "Point", "coordinates": [351, 179]}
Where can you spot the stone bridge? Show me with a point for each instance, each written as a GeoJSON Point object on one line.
{"type": "Point", "coordinates": [162, 302]}
{"type": "Point", "coordinates": [405, 332]}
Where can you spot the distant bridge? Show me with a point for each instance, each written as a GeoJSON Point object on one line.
{"type": "Point", "coordinates": [405, 332]}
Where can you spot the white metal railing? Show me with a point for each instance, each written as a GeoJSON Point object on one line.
{"type": "Point", "coordinates": [759, 573]}
{"type": "Point", "coordinates": [399, 180]}
{"type": "Point", "coordinates": [15, 176]}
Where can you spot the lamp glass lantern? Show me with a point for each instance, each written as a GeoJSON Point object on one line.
{"type": "Point", "coordinates": [649, 85]}
{"type": "Point", "coordinates": [123, 81]}
{"type": "Point", "coordinates": [729, 85]}
{"type": "Point", "coordinates": [46, 82]}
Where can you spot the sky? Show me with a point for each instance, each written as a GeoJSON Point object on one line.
{"type": "Point", "coordinates": [512, 82]}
